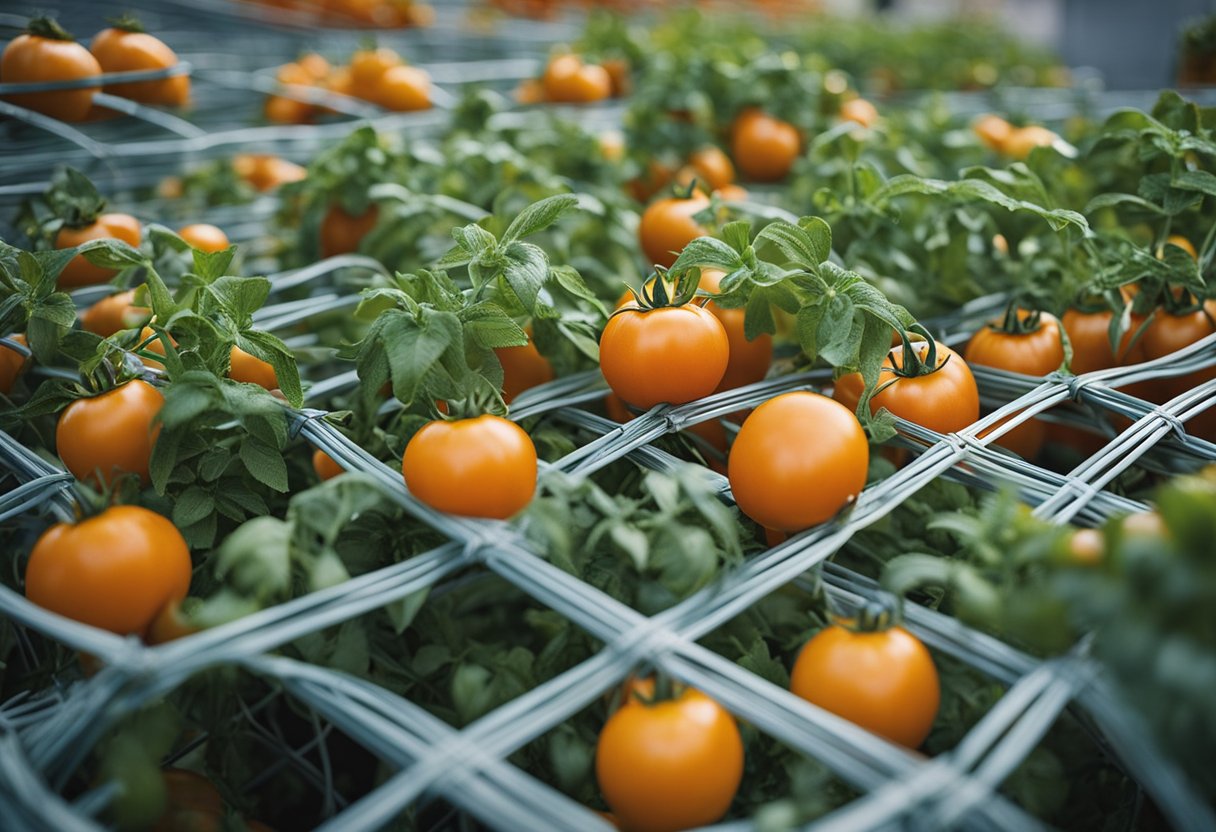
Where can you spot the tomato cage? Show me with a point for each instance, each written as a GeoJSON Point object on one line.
{"type": "Point", "coordinates": [437, 769]}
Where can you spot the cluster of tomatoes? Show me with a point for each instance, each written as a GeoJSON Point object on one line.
{"type": "Point", "coordinates": [383, 14]}
{"type": "Point", "coordinates": [376, 75]}
{"type": "Point", "coordinates": [48, 53]}
{"type": "Point", "coordinates": [1015, 142]}
{"type": "Point", "coordinates": [568, 79]}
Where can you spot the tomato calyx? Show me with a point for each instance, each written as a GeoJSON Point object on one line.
{"type": "Point", "coordinates": [127, 23]}
{"type": "Point", "coordinates": [660, 291]}
{"type": "Point", "coordinates": [49, 28]}
{"type": "Point", "coordinates": [910, 363]}
{"type": "Point", "coordinates": [1018, 320]}
{"type": "Point", "coordinates": [876, 615]}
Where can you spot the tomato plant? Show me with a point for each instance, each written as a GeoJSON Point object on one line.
{"type": "Point", "coordinates": [663, 349]}
{"type": "Point", "coordinates": [878, 676]}
{"type": "Point", "coordinates": [116, 570]}
{"type": "Point", "coordinates": [670, 764]}
{"type": "Point", "coordinates": [481, 467]}
{"type": "Point", "coordinates": [797, 460]}
{"type": "Point", "coordinates": [106, 436]}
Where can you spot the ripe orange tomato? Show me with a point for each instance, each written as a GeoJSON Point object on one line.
{"type": "Point", "coordinates": [79, 271]}
{"type": "Point", "coordinates": [115, 570]}
{"type": "Point", "coordinates": [884, 681]}
{"type": "Point", "coordinates": [559, 73]}
{"type": "Point", "coordinates": [283, 110]}
{"type": "Point", "coordinates": [481, 467]}
{"type": "Point", "coordinates": [946, 400]}
{"type": "Point", "coordinates": [325, 466]}
{"type": "Point", "coordinates": [127, 50]}
{"type": "Point", "coordinates": [1034, 354]}
{"type": "Point", "coordinates": [668, 225]}
{"type": "Point", "coordinates": [11, 364]}
{"type": "Point", "coordinates": [251, 370]}
{"type": "Point", "coordinates": [1169, 333]}
{"type": "Point", "coordinates": [1089, 334]}
{"type": "Point", "coordinates": [735, 193]}
{"type": "Point", "coordinates": [111, 434]}
{"type": "Point", "coordinates": [522, 369]}
{"type": "Point", "coordinates": [404, 89]}
{"type": "Point", "coordinates": [798, 459]}
{"type": "Point", "coordinates": [669, 765]}
{"type": "Point", "coordinates": [764, 147]}
{"type": "Point", "coordinates": [993, 131]}
{"type": "Point", "coordinates": [749, 360]}
{"type": "Point", "coordinates": [367, 66]}
{"type": "Point", "coordinates": [169, 625]}
{"type": "Point", "coordinates": [859, 110]}
{"type": "Point", "coordinates": [147, 336]}
{"type": "Point", "coordinates": [1022, 140]}
{"type": "Point", "coordinates": [265, 172]}
{"type": "Point", "coordinates": [341, 233]}
{"type": "Point", "coordinates": [113, 314]}
{"type": "Point", "coordinates": [315, 65]}
{"type": "Point", "coordinates": [47, 53]}
{"type": "Point", "coordinates": [674, 354]}
{"type": "Point", "coordinates": [710, 167]}
{"type": "Point", "coordinates": [204, 237]}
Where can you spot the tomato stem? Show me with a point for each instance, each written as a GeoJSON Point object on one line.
{"type": "Point", "coordinates": [49, 28]}
{"type": "Point", "coordinates": [127, 22]}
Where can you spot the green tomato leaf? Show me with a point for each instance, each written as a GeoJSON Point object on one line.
{"type": "Point", "coordinates": [538, 216]}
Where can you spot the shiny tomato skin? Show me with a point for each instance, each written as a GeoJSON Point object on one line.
{"type": "Point", "coordinates": [797, 460]}
{"type": "Point", "coordinates": [325, 466]}
{"type": "Point", "coordinates": [481, 467]}
{"type": "Point", "coordinates": [251, 370]}
{"type": "Point", "coordinates": [117, 50]}
{"type": "Point", "coordinates": [11, 364]}
{"type": "Point", "coordinates": [522, 369]}
{"type": "Point", "coordinates": [945, 401]}
{"type": "Point", "coordinates": [673, 355]}
{"type": "Point", "coordinates": [205, 237]}
{"type": "Point", "coordinates": [764, 148]}
{"type": "Point", "coordinates": [79, 271]}
{"type": "Point", "coordinates": [884, 681]}
{"type": "Point", "coordinates": [1169, 333]}
{"type": "Point", "coordinates": [29, 58]}
{"type": "Point", "coordinates": [341, 233]}
{"type": "Point", "coordinates": [749, 360]}
{"type": "Point", "coordinates": [713, 167]}
{"type": "Point", "coordinates": [110, 434]}
{"type": "Point", "coordinates": [859, 110]}
{"type": "Point", "coordinates": [671, 765]}
{"type": "Point", "coordinates": [668, 225]}
{"type": "Point", "coordinates": [1033, 354]}
{"type": "Point", "coordinates": [116, 570]}
{"type": "Point", "coordinates": [114, 314]}
{"type": "Point", "coordinates": [404, 89]}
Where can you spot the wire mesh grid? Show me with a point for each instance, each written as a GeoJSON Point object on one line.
{"type": "Point", "coordinates": [45, 736]}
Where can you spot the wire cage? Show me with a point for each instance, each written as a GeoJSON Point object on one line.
{"type": "Point", "coordinates": [44, 736]}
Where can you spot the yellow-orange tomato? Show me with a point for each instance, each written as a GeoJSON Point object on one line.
{"type": "Point", "coordinates": [11, 364]}
{"type": "Point", "coordinates": [404, 89]}
{"type": "Point", "coordinates": [1182, 243]}
{"type": "Point", "coordinates": [669, 765]}
{"type": "Point", "coordinates": [947, 400]}
{"type": "Point", "coordinates": [668, 225]}
{"type": "Point", "coordinates": [522, 369]}
{"type": "Point", "coordinates": [710, 167]}
{"type": "Point", "coordinates": [735, 193]}
{"type": "Point", "coordinates": [169, 625]}
{"type": "Point", "coordinates": [612, 145]}
{"type": "Point", "coordinates": [32, 57]}
{"type": "Point", "coordinates": [798, 459]}
{"type": "Point", "coordinates": [110, 434]}
{"type": "Point", "coordinates": [481, 467]}
{"type": "Point", "coordinates": [315, 65]}
{"type": "Point", "coordinates": [79, 271]}
{"type": "Point", "coordinates": [341, 232]}
{"type": "Point", "coordinates": [251, 370]}
{"type": "Point", "coordinates": [283, 110]}
{"type": "Point", "coordinates": [116, 570]}
{"type": "Point", "coordinates": [265, 172]}
{"type": "Point", "coordinates": [673, 354]}
{"type": "Point", "coordinates": [1089, 334]}
{"type": "Point", "coordinates": [325, 466]}
{"type": "Point", "coordinates": [293, 73]}
{"type": "Point", "coordinates": [884, 681]}
{"type": "Point", "coordinates": [859, 110]}
{"type": "Point", "coordinates": [530, 91]}
{"type": "Point", "coordinates": [121, 50]}
{"type": "Point", "coordinates": [559, 74]}
{"type": "Point", "coordinates": [993, 131]}
{"type": "Point", "coordinates": [749, 360]}
{"type": "Point", "coordinates": [1169, 333]}
{"type": "Point", "coordinates": [113, 314]}
{"type": "Point", "coordinates": [204, 237]}
{"type": "Point", "coordinates": [1022, 140]}
{"type": "Point", "coordinates": [591, 83]}
{"type": "Point", "coordinates": [763, 147]}
{"type": "Point", "coordinates": [1086, 547]}
{"type": "Point", "coordinates": [367, 66]}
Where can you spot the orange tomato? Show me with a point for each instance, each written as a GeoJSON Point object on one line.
{"type": "Point", "coordinates": [710, 167]}
{"type": "Point", "coordinates": [1169, 333]}
{"type": "Point", "coordinates": [110, 434]}
{"type": "Point", "coordinates": [325, 466]}
{"type": "Point", "coordinates": [530, 91]}
{"type": "Point", "coordinates": [47, 53]}
{"type": "Point", "coordinates": [947, 400]}
{"type": "Point", "coordinates": [1022, 140]}
{"type": "Point", "coordinates": [283, 110]}
{"type": "Point", "coordinates": [315, 65]}
{"type": "Point", "coordinates": [1089, 334]}
{"type": "Point", "coordinates": [884, 681]}
{"type": "Point", "coordinates": [265, 172]}
{"type": "Point", "coordinates": [734, 193]}
{"type": "Point", "coordinates": [669, 765]}
{"type": "Point", "coordinates": [559, 75]}
{"type": "Point", "coordinates": [169, 625]}
{"type": "Point", "coordinates": [404, 89]}
{"type": "Point", "coordinates": [673, 354]}
{"type": "Point", "coordinates": [204, 237]}
{"type": "Point", "coordinates": [114, 314]}
{"type": "Point", "coordinates": [612, 145]}
{"type": "Point", "coordinates": [668, 225]}
{"type": "Point", "coordinates": [993, 131]}
{"type": "Point", "coordinates": [860, 111]}
{"type": "Point", "coordinates": [116, 570]}
{"type": "Point", "coordinates": [123, 50]}
{"type": "Point", "coordinates": [797, 460]}
{"type": "Point", "coordinates": [79, 271]}
{"type": "Point", "coordinates": [763, 147]}
{"type": "Point", "coordinates": [749, 360]}
{"type": "Point", "coordinates": [341, 232]}
{"type": "Point", "coordinates": [11, 364]}
{"type": "Point", "coordinates": [251, 370]}
{"type": "Point", "coordinates": [367, 66]}
{"type": "Point", "coordinates": [481, 467]}
{"type": "Point", "coordinates": [522, 369]}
